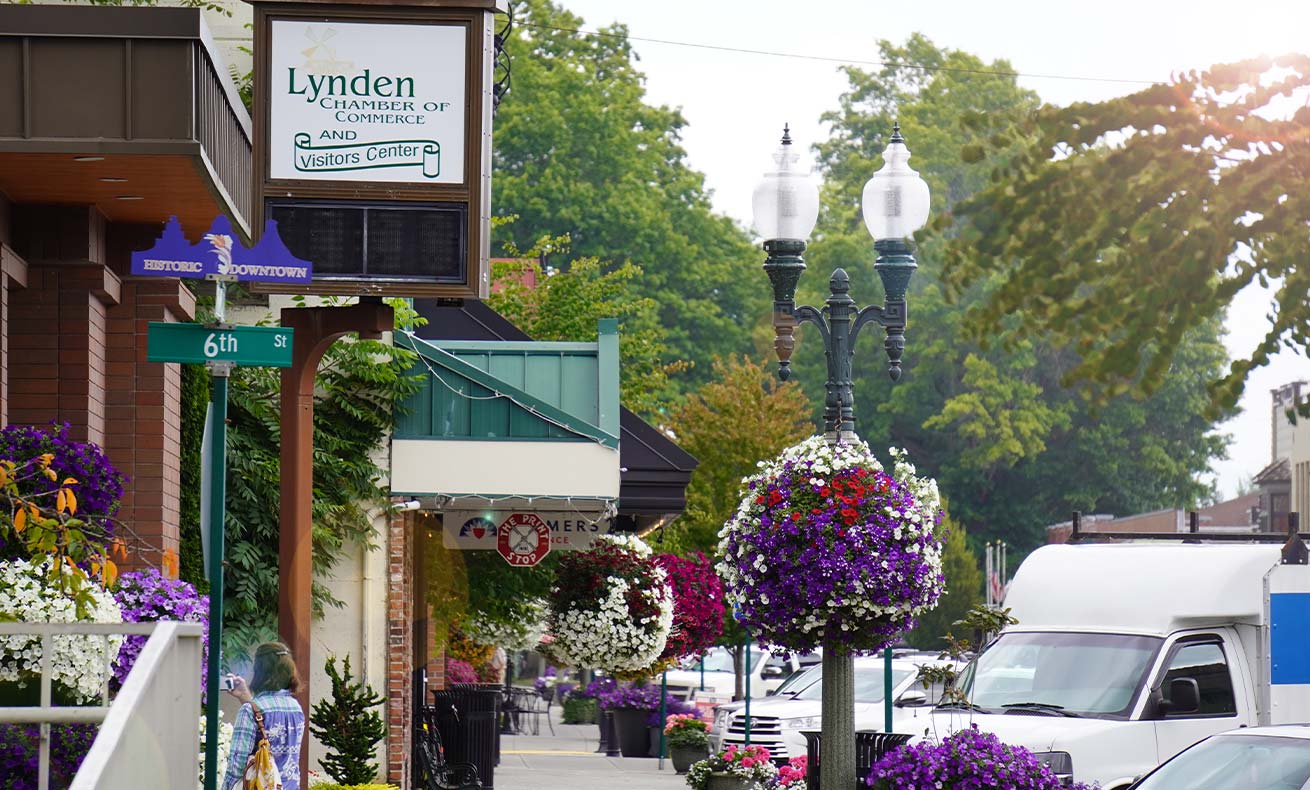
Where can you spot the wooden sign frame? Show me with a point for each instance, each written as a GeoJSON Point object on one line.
{"type": "Point", "coordinates": [477, 17]}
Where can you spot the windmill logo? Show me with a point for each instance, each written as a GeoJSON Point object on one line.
{"type": "Point", "coordinates": [321, 58]}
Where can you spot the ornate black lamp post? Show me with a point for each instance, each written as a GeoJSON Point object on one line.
{"type": "Point", "coordinates": [786, 206]}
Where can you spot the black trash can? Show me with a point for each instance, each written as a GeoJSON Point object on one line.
{"type": "Point", "coordinates": [870, 747]}
{"type": "Point", "coordinates": [469, 722]}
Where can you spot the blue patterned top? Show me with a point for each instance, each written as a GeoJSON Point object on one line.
{"type": "Point", "coordinates": [284, 722]}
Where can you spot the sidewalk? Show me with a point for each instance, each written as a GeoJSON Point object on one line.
{"type": "Point", "coordinates": [569, 760]}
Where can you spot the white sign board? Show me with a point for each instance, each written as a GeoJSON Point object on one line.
{"type": "Point", "coordinates": [353, 101]}
{"type": "Point", "coordinates": [476, 529]}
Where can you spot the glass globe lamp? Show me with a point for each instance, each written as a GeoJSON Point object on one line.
{"type": "Point", "coordinates": [786, 200]}
{"type": "Point", "coordinates": [896, 199]}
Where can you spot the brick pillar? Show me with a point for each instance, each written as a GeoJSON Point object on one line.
{"type": "Point", "coordinates": [57, 330]}
{"type": "Point", "coordinates": [57, 348]}
{"type": "Point", "coordinates": [143, 437]}
{"type": "Point", "coordinates": [400, 646]}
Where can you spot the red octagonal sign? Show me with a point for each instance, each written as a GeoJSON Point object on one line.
{"type": "Point", "coordinates": [523, 539]}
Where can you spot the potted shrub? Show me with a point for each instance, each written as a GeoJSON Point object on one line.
{"type": "Point", "coordinates": [580, 705]}
{"type": "Point", "coordinates": [689, 740]}
{"type": "Point", "coordinates": [734, 768]}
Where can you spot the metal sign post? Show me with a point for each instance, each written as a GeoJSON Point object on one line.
{"type": "Point", "coordinates": [887, 689]}
{"type": "Point", "coordinates": [221, 259]}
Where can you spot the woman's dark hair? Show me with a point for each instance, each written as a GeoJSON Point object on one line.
{"type": "Point", "coordinates": [274, 669]}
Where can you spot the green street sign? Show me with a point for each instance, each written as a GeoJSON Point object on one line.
{"type": "Point", "coordinates": [252, 346]}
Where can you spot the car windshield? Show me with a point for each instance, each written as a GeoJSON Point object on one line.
{"type": "Point", "coordinates": [721, 661]}
{"type": "Point", "coordinates": [799, 680]}
{"type": "Point", "coordinates": [1072, 673]}
{"type": "Point", "coordinates": [1239, 762]}
{"type": "Point", "coordinates": [868, 684]}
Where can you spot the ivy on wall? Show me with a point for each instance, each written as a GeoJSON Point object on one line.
{"type": "Point", "coordinates": [195, 400]}
{"type": "Point", "coordinates": [359, 385]}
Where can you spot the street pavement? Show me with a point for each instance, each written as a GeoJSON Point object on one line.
{"type": "Point", "coordinates": [568, 759]}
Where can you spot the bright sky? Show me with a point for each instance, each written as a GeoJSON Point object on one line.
{"type": "Point", "coordinates": [735, 103]}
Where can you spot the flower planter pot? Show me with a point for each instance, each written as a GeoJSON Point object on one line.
{"type": "Point", "coordinates": [727, 782]}
{"type": "Point", "coordinates": [685, 756]}
{"type": "Point", "coordinates": [654, 735]}
{"type": "Point", "coordinates": [580, 711]}
{"type": "Point", "coordinates": [633, 734]}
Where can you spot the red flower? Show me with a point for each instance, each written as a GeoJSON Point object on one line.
{"type": "Point", "coordinates": [795, 516]}
{"type": "Point", "coordinates": [774, 498]}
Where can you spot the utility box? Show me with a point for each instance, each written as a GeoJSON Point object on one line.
{"type": "Point", "coordinates": [373, 121]}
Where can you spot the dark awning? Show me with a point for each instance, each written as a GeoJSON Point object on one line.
{"type": "Point", "coordinates": [654, 470]}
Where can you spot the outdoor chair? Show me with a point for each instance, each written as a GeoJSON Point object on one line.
{"type": "Point", "coordinates": [531, 707]}
{"type": "Point", "coordinates": [435, 773]}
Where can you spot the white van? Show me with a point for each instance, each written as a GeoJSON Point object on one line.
{"type": "Point", "coordinates": [1126, 654]}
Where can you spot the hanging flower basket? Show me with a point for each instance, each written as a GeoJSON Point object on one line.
{"type": "Point", "coordinates": [524, 634]}
{"type": "Point", "coordinates": [697, 604]}
{"type": "Point", "coordinates": [828, 549]}
{"type": "Point", "coordinates": [611, 607]}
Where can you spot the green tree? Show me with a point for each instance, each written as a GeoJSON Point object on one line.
{"type": "Point", "coordinates": [578, 151]}
{"type": "Point", "coordinates": [565, 305]}
{"type": "Point", "coordinates": [964, 590]}
{"type": "Point", "coordinates": [741, 417]}
{"type": "Point", "coordinates": [1012, 446]}
{"type": "Point", "coordinates": [1125, 228]}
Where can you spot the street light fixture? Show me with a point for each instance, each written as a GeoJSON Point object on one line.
{"type": "Point", "coordinates": [786, 203]}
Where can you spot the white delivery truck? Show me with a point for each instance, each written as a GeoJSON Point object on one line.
{"type": "Point", "coordinates": [1126, 654]}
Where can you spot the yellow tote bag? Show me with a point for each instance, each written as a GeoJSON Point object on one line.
{"type": "Point", "coordinates": [261, 772]}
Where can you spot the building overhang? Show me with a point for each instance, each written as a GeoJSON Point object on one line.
{"type": "Point", "coordinates": [131, 110]}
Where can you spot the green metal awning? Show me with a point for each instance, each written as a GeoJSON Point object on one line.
{"type": "Point", "coordinates": [498, 418]}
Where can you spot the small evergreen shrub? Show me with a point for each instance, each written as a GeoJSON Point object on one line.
{"type": "Point", "coordinates": [348, 726]}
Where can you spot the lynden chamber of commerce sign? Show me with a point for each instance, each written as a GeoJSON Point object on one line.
{"type": "Point", "coordinates": [367, 102]}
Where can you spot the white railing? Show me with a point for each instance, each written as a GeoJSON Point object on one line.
{"type": "Point", "coordinates": [150, 734]}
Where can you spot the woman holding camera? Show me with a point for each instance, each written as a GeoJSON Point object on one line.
{"type": "Point", "coordinates": [271, 695]}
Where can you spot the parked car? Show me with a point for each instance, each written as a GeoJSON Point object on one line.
{"type": "Point", "coordinates": [791, 686]}
{"type": "Point", "coordinates": [767, 672]}
{"type": "Point", "coordinates": [1126, 654]}
{"type": "Point", "coordinates": [1255, 758]}
{"type": "Point", "coordinates": [778, 722]}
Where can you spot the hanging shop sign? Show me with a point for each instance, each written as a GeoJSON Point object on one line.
{"type": "Point", "coordinates": [367, 102]}
{"type": "Point", "coordinates": [523, 539]}
{"type": "Point", "coordinates": [477, 530]}
{"type": "Point", "coordinates": [221, 253]}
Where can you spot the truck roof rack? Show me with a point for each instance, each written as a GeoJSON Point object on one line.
{"type": "Point", "coordinates": [1294, 548]}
